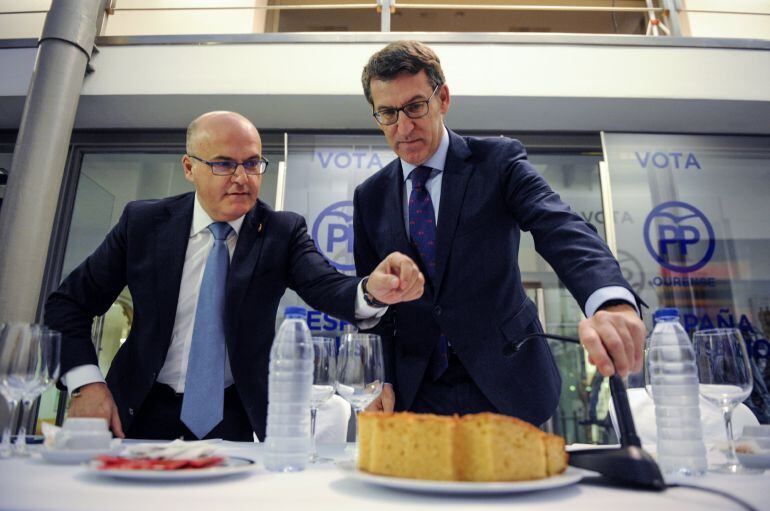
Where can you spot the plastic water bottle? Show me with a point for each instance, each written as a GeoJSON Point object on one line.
{"type": "Point", "coordinates": [674, 381]}
{"type": "Point", "coordinates": [290, 383]}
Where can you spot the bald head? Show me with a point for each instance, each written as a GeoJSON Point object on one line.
{"type": "Point", "coordinates": [223, 136]}
{"type": "Point", "coordinates": [205, 127]}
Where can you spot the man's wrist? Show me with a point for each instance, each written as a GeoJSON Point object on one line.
{"type": "Point", "coordinates": [369, 298]}
{"type": "Point", "coordinates": [79, 390]}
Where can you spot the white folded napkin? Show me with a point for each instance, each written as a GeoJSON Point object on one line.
{"type": "Point", "coordinates": [332, 421]}
{"type": "Point", "coordinates": [643, 410]}
{"type": "Point", "coordinates": [176, 450]}
{"type": "Point", "coordinates": [49, 433]}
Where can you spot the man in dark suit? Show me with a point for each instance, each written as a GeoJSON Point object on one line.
{"type": "Point", "coordinates": [183, 312]}
{"type": "Point", "coordinates": [457, 205]}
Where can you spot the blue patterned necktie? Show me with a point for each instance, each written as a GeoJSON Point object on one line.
{"type": "Point", "coordinates": [422, 231]}
{"type": "Point", "coordinates": [204, 390]}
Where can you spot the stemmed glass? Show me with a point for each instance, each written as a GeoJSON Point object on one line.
{"type": "Point", "coordinates": [360, 371]}
{"type": "Point", "coordinates": [11, 340]}
{"type": "Point", "coordinates": [724, 372]}
{"type": "Point", "coordinates": [324, 379]}
{"type": "Point", "coordinates": [43, 361]}
{"type": "Point", "coordinates": [29, 362]}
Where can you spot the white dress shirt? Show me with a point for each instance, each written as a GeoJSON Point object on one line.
{"type": "Point", "coordinates": [437, 162]}
{"type": "Point", "coordinates": [174, 370]}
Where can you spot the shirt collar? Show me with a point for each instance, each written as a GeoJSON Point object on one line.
{"type": "Point", "coordinates": [201, 220]}
{"type": "Point", "coordinates": [436, 161]}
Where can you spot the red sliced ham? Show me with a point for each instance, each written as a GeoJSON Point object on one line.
{"type": "Point", "coordinates": [121, 463]}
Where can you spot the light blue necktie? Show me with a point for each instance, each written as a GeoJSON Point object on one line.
{"type": "Point", "coordinates": [204, 389]}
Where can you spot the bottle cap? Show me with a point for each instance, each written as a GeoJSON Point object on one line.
{"type": "Point", "coordinates": [295, 312]}
{"type": "Point", "coordinates": [668, 312]}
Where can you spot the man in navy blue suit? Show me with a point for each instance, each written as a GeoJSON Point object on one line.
{"type": "Point", "coordinates": [161, 250]}
{"type": "Point", "coordinates": [457, 205]}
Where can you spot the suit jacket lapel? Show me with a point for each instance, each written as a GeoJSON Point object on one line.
{"type": "Point", "coordinates": [245, 258]}
{"type": "Point", "coordinates": [171, 234]}
{"type": "Point", "coordinates": [457, 171]}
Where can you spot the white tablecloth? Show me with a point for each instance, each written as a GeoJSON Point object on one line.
{"type": "Point", "coordinates": [33, 484]}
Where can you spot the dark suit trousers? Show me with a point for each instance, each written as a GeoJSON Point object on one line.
{"type": "Point", "coordinates": [453, 392]}
{"type": "Point", "coordinates": [158, 418]}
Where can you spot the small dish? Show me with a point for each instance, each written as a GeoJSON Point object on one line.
{"type": "Point", "coordinates": [760, 431]}
{"type": "Point", "coordinates": [75, 456]}
{"type": "Point", "coordinates": [757, 437]}
{"type": "Point", "coordinates": [759, 461]}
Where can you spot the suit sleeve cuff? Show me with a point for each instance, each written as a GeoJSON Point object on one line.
{"type": "Point", "coordinates": [81, 375]}
{"type": "Point", "coordinates": [605, 294]}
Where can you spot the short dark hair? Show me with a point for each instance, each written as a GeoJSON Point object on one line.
{"type": "Point", "coordinates": [401, 57]}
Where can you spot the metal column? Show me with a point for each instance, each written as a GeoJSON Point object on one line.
{"type": "Point", "coordinates": [29, 205]}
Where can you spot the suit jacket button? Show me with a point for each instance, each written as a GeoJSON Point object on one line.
{"type": "Point", "coordinates": [437, 310]}
{"type": "Point", "coordinates": [131, 411]}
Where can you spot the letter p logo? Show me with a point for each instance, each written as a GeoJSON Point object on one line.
{"type": "Point", "coordinates": [333, 234]}
{"type": "Point", "coordinates": [338, 233]}
{"type": "Point", "coordinates": [679, 236]}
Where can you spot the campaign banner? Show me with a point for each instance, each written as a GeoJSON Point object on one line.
{"type": "Point", "coordinates": [322, 172]}
{"type": "Point", "coordinates": [703, 242]}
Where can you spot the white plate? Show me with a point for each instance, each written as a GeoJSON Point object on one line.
{"type": "Point", "coordinates": [231, 465]}
{"type": "Point", "coordinates": [761, 461]}
{"type": "Point", "coordinates": [571, 476]}
{"type": "Point", "coordinates": [74, 456]}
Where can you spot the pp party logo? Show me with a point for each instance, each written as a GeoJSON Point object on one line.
{"type": "Point", "coordinates": [333, 234]}
{"type": "Point", "coordinates": [679, 236]}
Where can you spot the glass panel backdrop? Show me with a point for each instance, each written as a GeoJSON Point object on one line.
{"type": "Point", "coordinates": [701, 237]}
{"type": "Point", "coordinates": [582, 415]}
{"type": "Point", "coordinates": [322, 173]}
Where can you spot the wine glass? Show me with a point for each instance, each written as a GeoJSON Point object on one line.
{"type": "Point", "coordinates": [43, 363]}
{"type": "Point", "coordinates": [360, 371]}
{"type": "Point", "coordinates": [724, 372]}
{"type": "Point", "coordinates": [324, 379]}
{"type": "Point", "coordinates": [15, 373]}
{"type": "Point", "coordinates": [11, 345]}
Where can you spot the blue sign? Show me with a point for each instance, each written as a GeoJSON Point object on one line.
{"type": "Point", "coordinates": [664, 160]}
{"type": "Point", "coordinates": [333, 234]}
{"type": "Point", "coordinates": [683, 233]}
{"type": "Point", "coordinates": [353, 160]}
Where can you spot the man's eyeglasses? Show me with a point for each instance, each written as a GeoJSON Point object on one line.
{"type": "Point", "coordinates": [252, 166]}
{"type": "Point", "coordinates": [413, 110]}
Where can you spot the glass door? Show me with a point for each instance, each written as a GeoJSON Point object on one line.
{"type": "Point", "coordinates": [582, 415]}
{"type": "Point", "coordinates": [700, 239]}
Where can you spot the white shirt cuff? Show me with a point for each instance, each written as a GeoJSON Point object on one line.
{"type": "Point", "coordinates": [605, 294]}
{"type": "Point", "coordinates": [81, 375]}
{"type": "Point", "coordinates": [366, 315]}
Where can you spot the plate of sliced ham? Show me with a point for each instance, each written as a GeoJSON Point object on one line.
{"type": "Point", "coordinates": [170, 469]}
